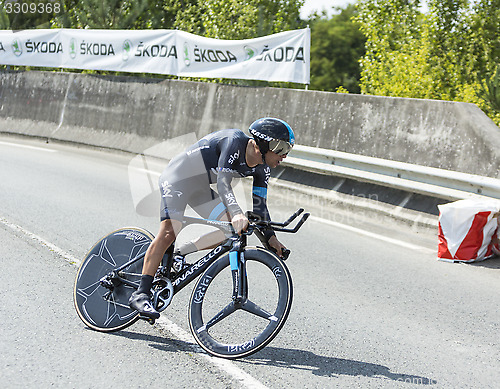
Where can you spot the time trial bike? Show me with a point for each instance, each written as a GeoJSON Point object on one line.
{"type": "Point", "coordinates": [239, 303]}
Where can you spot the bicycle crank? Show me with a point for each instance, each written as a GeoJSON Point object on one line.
{"type": "Point", "coordinates": [163, 294]}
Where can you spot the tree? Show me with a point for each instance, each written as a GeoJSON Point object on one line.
{"type": "Point", "coordinates": [234, 19]}
{"type": "Point", "coordinates": [4, 17]}
{"type": "Point", "coordinates": [445, 54]}
{"type": "Point", "coordinates": [101, 14]}
{"type": "Point", "coordinates": [337, 45]}
{"type": "Point", "coordinates": [222, 19]}
{"type": "Point", "coordinates": [171, 14]}
{"type": "Point", "coordinates": [19, 15]}
{"type": "Point", "coordinates": [390, 65]}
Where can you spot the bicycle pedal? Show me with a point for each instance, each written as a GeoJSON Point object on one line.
{"type": "Point", "coordinates": [147, 319]}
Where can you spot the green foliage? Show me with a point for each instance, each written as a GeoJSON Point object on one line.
{"type": "Point", "coordinates": [101, 14]}
{"type": "Point", "coordinates": [20, 15]}
{"type": "Point", "coordinates": [489, 92]}
{"type": "Point", "coordinates": [222, 19]}
{"type": "Point", "coordinates": [337, 44]}
{"type": "Point", "coordinates": [234, 19]}
{"type": "Point", "coordinates": [445, 54]}
{"type": "Point", "coordinates": [4, 17]}
{"type": "Point", "coordinates": [391, 29]}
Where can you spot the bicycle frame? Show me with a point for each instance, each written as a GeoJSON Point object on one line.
{"type": "Point", "coordinates": [235, 245]}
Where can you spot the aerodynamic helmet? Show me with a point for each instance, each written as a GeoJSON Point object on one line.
{"type": "Point", "coordinates": [272, 134]}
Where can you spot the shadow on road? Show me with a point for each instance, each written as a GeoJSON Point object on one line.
{"type": "Point", "coordinates": [329, 366]}
{"type": "Point", "coordinates": [492, 263]}
{"type": "Point", "coordinates": [292, 359]}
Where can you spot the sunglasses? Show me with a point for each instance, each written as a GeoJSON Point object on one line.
{"type": "Point", "coordinates": [280, 147]}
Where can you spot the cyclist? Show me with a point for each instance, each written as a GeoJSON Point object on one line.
{"type": "Point", "coordinates": [215, 159]}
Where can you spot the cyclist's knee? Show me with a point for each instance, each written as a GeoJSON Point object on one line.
{"type": "Point", "coordinates": [169, 229]}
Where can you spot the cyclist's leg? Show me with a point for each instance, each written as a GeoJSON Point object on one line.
{"type": "Point", "coordinates": [169, 228]}
{"type": "Point", "coordinates": [211, 239]}
{"type": "Point", "coordinates": [173, 204]}
{"type": "Point", "coordinates": [209, 206]}
{"type": "Point", "coordinates": [141, 299]}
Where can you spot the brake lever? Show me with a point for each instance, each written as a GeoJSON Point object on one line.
{"type": "Point", "coordinates": [285, 253]}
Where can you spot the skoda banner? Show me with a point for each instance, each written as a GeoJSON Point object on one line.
{"type": "Point", "coordinates": [278, 57]}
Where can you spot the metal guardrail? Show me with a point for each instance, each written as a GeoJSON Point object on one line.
{"type": "Point", "coordinates": [446, 184]}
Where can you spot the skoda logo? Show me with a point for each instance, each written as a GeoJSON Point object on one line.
{"type": "Point", "coordinates": [127, 47]}
{"type": "Point", "coordinates": [249, 52]}
{"type": "Point", "coordinates": [17, 48]}
{"type": "Point", "coordinates": [187, 61]}
{"type": "Point", "coordinates": [72, 48]}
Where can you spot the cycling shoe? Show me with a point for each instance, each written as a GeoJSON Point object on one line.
{"type": "Point", "coordinates": [141, 302]}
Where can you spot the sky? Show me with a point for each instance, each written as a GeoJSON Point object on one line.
{"type": "Point", "coordinates": [318, 5]}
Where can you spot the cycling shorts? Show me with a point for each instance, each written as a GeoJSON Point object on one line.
{"type": "Point", "coordinates": [184, 183]}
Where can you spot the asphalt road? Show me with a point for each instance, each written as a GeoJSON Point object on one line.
{"type": "Point", "coordinates": [372, 310]}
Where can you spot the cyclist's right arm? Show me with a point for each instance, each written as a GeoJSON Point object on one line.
{"type": "Point", "coordinates": [226, 170]}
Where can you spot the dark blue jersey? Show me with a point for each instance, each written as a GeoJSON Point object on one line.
{"type": "Point", "coordinates": [223, 154]}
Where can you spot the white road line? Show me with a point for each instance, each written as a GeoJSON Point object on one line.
{"type": "Point", "coordinates": [52, 247]}
{"type": "Point", "coordinates": [373, 235]}
{"type": "Point", "coordinates": [225, 365]}
{"type": "Point", "coordinates": [28, 147]}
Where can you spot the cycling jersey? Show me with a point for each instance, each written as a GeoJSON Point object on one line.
{"type": "Point", "coordinates": [218, 158]}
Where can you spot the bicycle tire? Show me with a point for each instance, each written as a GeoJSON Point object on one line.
{"type": "Point", "coordinates": [244, 333]}
{"type": "Point", "coordinates": [110, 252]}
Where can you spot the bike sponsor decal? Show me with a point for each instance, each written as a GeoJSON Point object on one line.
{"type": "Point", "coordinates": [197, 266]}
{"type": "Point", "coordinates": [218, 223]}
{"type": "Point", "coordinates": [236, 348]}
{"type": "Point", "coordinates": [236, 283]}
{"type": "Point", "coordinates": [277, 271]}
{"type": "Point", "coordinates": [132, 235]}
{"type": "Point", "coordinates": [201, 290]}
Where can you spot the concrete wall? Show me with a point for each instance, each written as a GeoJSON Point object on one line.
{"type": "Point", "coordinates": [134, 114]}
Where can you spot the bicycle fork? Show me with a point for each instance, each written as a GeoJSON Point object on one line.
{"type": "Point", "coordinates": [239, 273]}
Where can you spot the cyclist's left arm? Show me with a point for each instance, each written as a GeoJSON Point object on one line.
{"type": "Point", "coordinates": [259, 196]}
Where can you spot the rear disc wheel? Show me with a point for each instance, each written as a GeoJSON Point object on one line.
{"type": "Point", "coordinates": [103, 308]}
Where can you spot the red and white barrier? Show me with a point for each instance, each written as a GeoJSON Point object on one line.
{"type": "Point", "coordinates": [468, 230]}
